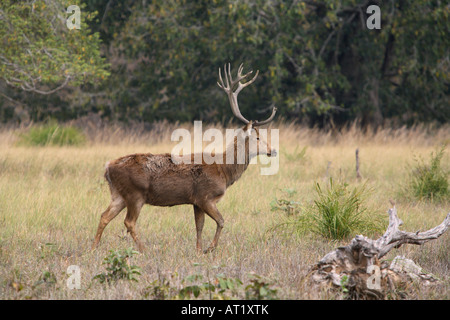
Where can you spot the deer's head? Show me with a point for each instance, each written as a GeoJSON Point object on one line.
{"type": "Point", "coordinates": [256, 144]}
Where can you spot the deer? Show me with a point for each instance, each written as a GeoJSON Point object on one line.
{"type": "Point", "coordinates": [157, 180]}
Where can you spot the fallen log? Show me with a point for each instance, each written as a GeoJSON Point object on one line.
{"type": "Point", "coordinates": [356, 269]}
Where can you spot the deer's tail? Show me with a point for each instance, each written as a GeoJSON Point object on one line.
{"type": "Point", "coordinates": [107, 173]}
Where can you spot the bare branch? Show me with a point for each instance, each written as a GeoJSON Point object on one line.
{"type": "Point", "coordinates": [394, 238]}
{"type": "Point", "coordinates": [354, 262]}
{"type": "Point", "coordinates": [32, 88]}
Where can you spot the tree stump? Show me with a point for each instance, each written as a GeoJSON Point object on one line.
{"type": "Point", "coordinates": [356, 269]}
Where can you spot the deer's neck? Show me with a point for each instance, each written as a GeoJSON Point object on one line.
{"type": "Point", "coordinates": [233, 171]}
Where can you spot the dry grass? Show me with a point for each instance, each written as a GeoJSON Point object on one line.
{"type": "Point", "coordinates": [51, 199]}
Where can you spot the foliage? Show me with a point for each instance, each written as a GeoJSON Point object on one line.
{"type": "Point", "coordinates": [226, 285]}
{"type": "Point", "coordinates": [260, 289]}
{"type": "Point", "coordinates": [430, 180]}
{"type": "Point", "coordinates": [290, 207]}
{"type": "Point", "coordinates": [225, 288]}
{"type": "Point", "coordinates": [318, 60]}
{"type": "Point", "coordinates": [39, 54]}
{"type": "Point", "coordinates": [194, 286]}
{"type": "Point", "coordinates": [193, 289]}
{"type": "Point", "coordinates": [118, 267]}
{"type": "Point", "coordinates": [159, 289]}
{"type": "Point", "coordinates": [54, 135]}
{"type": "Point", "coordinates": [337, 213]}
{"type": "Point", "coordinates": [47, 277]}
{"type": "Point", "coordinates": [344, 283]}
{"type": "Point", "coordinates": [220, 289]}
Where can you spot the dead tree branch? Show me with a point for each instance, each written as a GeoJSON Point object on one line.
{"type": "Point", "coordinates": [353, 265]}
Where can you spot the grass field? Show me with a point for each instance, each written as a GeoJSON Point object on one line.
{"type": "Point", "coordinates": [51, 199]}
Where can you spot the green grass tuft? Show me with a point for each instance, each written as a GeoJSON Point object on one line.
{"type": "Point", "coordinates": [430, 180]}
{"type": "Point", "coordinates": [337, 213]}
{"type": "Point", "coordinates": [52, 134]}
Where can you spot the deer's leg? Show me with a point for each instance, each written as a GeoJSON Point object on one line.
{"type": "Point", "coordinates": [199, 223]}
{"type": "Point", "coordinates": [212, 211]}
{"type": "Point", "coordinates": [116, 206]}
{"type": "Point", "coordinates": [133, 210]}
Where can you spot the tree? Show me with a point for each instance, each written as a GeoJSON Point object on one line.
{"type": "Point", "coordinates": [40, 54]}
{"type": "Point", "coordinates": [319, 62]}
{"type": "Point", "coordinates": [317, 59]}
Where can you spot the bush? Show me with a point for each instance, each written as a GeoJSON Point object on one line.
{"type": "Point", "coordinates": [336, 213]}
{"type": "Point", "coordinates": [290, 207]}
{"type": "Point", "coordinates": [53, 134]}
{"type": "Point", "coordinates": [260, 289]}
{"type": "Point", "coordinates": [118, 267]}
{"type": "Point", "coordinates": [430, 181]}
{"type": "Point", "coordinates": [220, 288]}
{"type": "Point", "coordinates": [195, 286]}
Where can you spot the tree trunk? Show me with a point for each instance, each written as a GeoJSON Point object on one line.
{"type": "Point", "coordinates": [376, 115]}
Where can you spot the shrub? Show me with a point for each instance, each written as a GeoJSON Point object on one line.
{"type": "Point", "coordinates": [54, 135]}
{"type": "Point", "coordinates": [430, 180]}
{"type": "Point", "coordinates": [290, 207]}
{"type": "Point", "coordinates": [118, 267]}
{"type": "Point", "coordinates": [220, 288]}
{"type": "Point", "coordinates": [260, 289]}
{"type": "Point", "coordinates": [159, 290]}
{"type": "Point", "coordinates": [337, 213]}
{"type": "Point", "coordinates": [194, 286]}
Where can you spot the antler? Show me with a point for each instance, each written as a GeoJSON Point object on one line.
{"type": "Point", "coordinates": [228, 86]}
